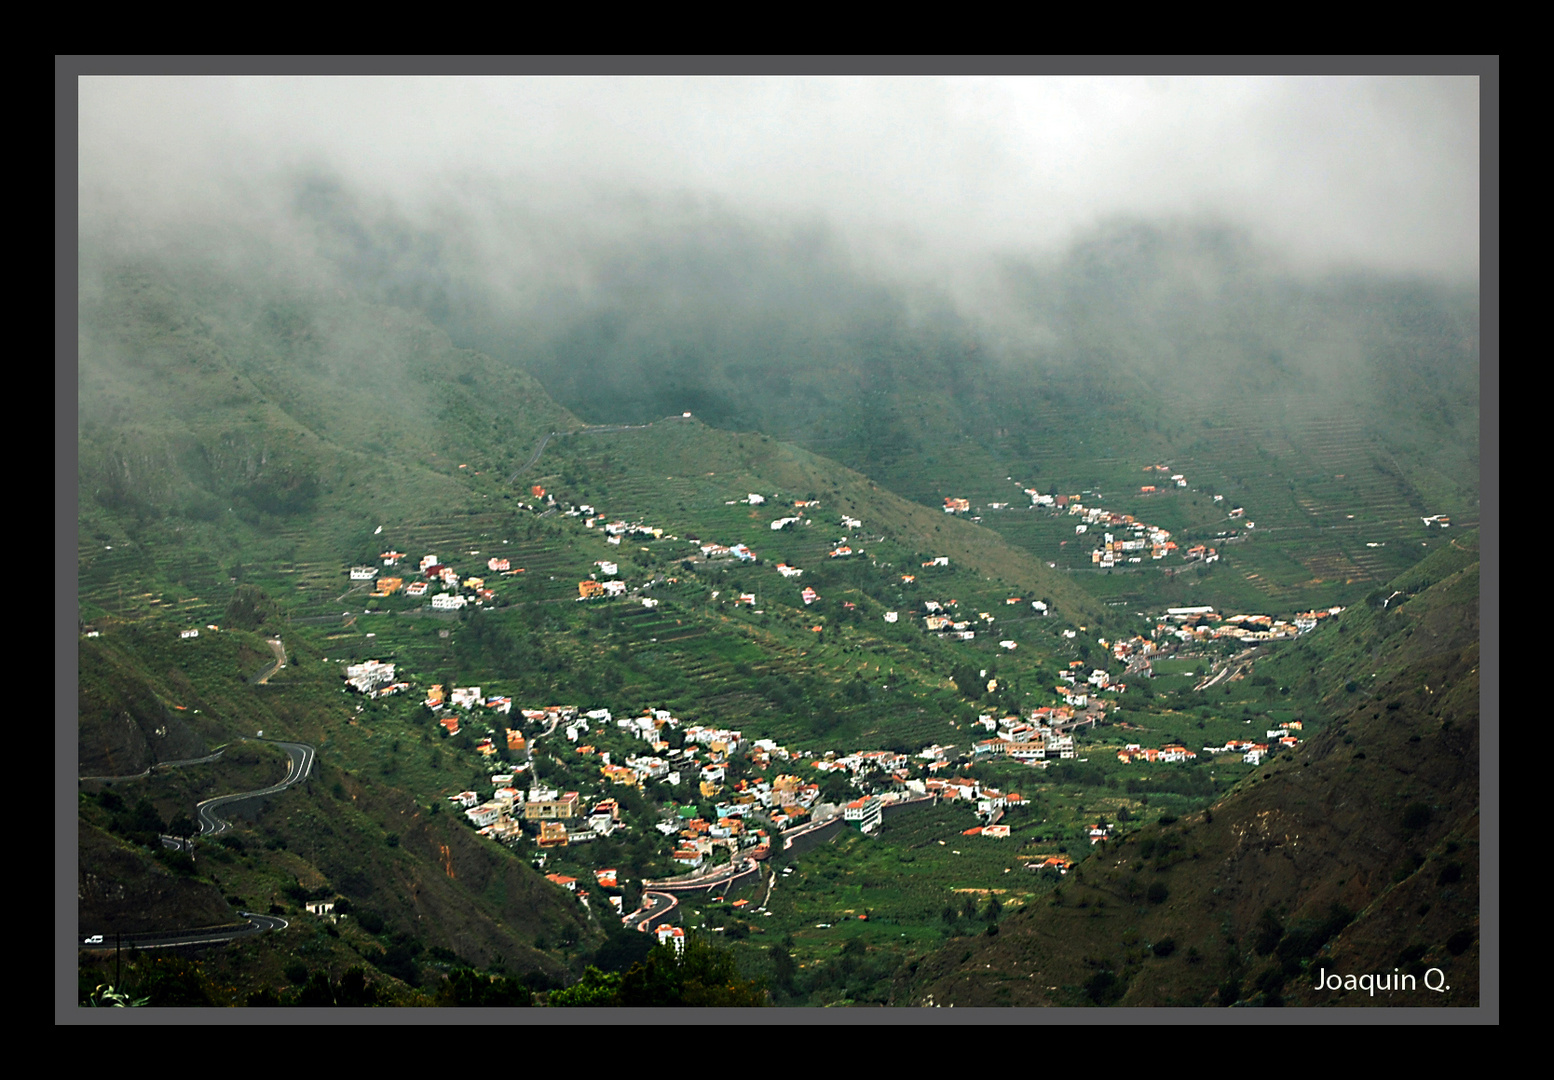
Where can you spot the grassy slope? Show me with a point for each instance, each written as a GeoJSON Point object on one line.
{"type": "Point", "coordinates": [146, 696]}
{"type": "Point", "coordinates": [385, 450]}
{"type": "Point", "coordinates": [1334, 823]}
{"type": "Point", "coordinates": [313, 419]}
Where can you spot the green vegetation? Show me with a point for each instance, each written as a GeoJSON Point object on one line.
{"type": "Point", "coordinates": [241, 449]}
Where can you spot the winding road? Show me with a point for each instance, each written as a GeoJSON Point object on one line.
{"type": "Point", "coordinates": [300, 764]}
{"type": "Point", "coordinates": [257, 924]}
{"type": "Point", "coordinates": [600, 429]}
{"type": "Point", "coordinates": [207, 759]}
{"type": "Point", "coordinates": [280, 660]}
{"type": "Point", "coordinates": [656, 907]}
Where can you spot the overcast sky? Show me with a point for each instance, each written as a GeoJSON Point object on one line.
{"type": "Point", "coordinates": [1382, 172]}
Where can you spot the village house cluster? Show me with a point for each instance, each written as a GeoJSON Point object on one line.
{"type": "Point", "coordinates": [373, 678]}
{"type": "Point", "coordinates": [553, 818]}
{"type": "Point", "coordinates": [1046, 734]}
{"type": "Point", "coordinates": [1252, 753]}
{"type": "Point", "coordinates": [1203, 623]}
{"type": "Point", "coordinates": [458, 590]}
{"type": "Point", "coordinates": [937, 619]}
{"type": "Point", "coordinates": [1117, 549]}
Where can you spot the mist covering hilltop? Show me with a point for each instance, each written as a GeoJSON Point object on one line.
{"type": "Point", "coordinates": [308, 313]}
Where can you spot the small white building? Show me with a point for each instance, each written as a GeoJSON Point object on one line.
{"type": "Point", "coordinates": [866, 813]}
{"type": "Point", "coordinates": [666, 932]}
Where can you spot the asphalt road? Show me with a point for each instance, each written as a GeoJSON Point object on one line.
{"type": "Point", "coordinates": [300, 763]}
{"type": "Point", "coordinates": [655, 908]}
{"type": "Point", "coordinates": [299, 766]}
{"type": "Point", "coordinates": [257, 924]}
{"type": "Point", "coordinates": [599, 429]}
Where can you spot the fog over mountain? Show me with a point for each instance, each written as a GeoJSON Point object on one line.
{"type": "Point", "coordinates": [323, 316]}
{"type": "Point", "coordinates": [919, 173]}
{"type": "Point", "coordinates": [626, 237]}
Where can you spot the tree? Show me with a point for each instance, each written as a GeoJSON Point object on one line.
{"type": "Point", "coordinates": [968, 680]}
{"type": "Point", "coordinates": [596, 988]}
{"type": "Point", "coordinates": [783, 967]}
{"type": "Point", "coordinates": [182, 825]}
{"type": "Point", "coordinates": [469, 989]}
{"type": "Point", "coordinates": [836, 788]}
{"type": "Point", "coordinates": [354, 991]}
{"type": "Point", "coordinates": [250, 608]}
{"type": "Point", "coordinates": [703, 975]}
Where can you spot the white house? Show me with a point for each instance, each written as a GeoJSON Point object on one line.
{"type": "Point", "coordinates": [672, 933]}
{"type": "Point", "coordinates": [866, 813]}
{"type": "Point", "coordinates": [485, 814]}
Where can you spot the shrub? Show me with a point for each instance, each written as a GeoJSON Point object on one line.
{"type": "Point", "coordinates": [1104, 988]}
{"type": "Point", "coordinates": [1268, 932]}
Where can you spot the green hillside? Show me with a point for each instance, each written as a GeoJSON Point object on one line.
{"type": "Point", "coordinates": [1358, 853]}
{"type": "Point", "coordinates": [1338, 409]}
{"type": "Point", "coordinates": [248, 438]}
